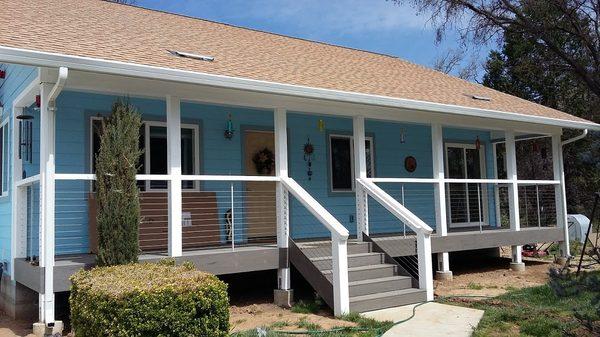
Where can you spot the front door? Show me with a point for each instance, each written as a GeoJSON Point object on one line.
{"type": "Point", "coordinates": [260, 211]}
{"type": "Point", "coordinates": [466, 202]}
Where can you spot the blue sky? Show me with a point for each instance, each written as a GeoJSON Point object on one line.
{"type": "Point", "coordinates": [375, 25]}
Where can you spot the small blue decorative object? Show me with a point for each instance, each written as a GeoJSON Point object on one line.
{"type": "Point", "coordinates": [229, 129]}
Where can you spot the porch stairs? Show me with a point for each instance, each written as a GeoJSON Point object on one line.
{"type": "Point", "coordinates": [376, 280]}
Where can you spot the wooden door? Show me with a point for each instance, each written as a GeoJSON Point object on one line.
{"type": "Point", "coordinates": [259, 213]}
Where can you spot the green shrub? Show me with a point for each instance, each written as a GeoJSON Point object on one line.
{"type": "Point", "coordinates": [148, 300]}
{"type": "Point", "coordinates": [117, 193]}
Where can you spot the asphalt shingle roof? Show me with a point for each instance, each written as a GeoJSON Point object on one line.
{"type": "Point", "coordinates": [110, 31]}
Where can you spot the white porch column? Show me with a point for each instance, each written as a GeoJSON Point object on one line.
{"type": "Point", "coordinates": [341, 288]}
{"type": "Point", "coordinates": [560, 194]}
{"type": "Point", "coordinates": [360, 171]}
{"type": "Point", "coordinates": [283, 295]}
{"type": "Point", "coordinates": [47, 187]}
{"type": "Point", "coordinates": [437, 147]}
{"type": "Point", "coordinates": [513, 197]}
{"type": "Point", "coordinates": [425, 267]}
{"type": "Point", "coordinates": [174, 170]}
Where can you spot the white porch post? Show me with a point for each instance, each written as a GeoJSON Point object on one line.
{"type": "Point", "coordinates": [284, 294]}
{"type": "Point", "coordinates": [341, 289]}
{"type": "Point", "coordinates": [425, 267]}
{"type": "Point", "coordinates": [437, 145]}
{"type": "Point", "coordinates": [560, 194]}
{"type": "Point", "coordinates": [47, 187]}
{"type": "Point", "coordinates": [174, 170]}
{"type": "Point", "coordinates": [513, 197]}
{"type": "Point", "coordinates": [360, 171]}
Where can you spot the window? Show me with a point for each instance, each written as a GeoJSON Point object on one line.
{"type": "Point", "coordinates": [341, 161]}
{"type": "Point", "coordinates": [153, 139]}
{"type": "Point", "coordinates": [4, 158]}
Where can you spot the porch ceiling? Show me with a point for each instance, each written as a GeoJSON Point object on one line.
{"type": "Point", "coordinates": [152, 88]}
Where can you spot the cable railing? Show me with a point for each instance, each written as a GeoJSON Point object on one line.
{"type": "Point", "coordinates": [339, 243]}
{"type": "Point", "coordinates": [418, 226]}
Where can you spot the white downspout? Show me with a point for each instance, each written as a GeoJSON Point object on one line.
{"type": "Point", "coordinates": [47, 190]}
{"type": "Point", "coordinates": [576, 138]}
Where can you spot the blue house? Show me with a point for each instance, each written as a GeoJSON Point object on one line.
{"type": "Point", "coordinates": [260, 152]}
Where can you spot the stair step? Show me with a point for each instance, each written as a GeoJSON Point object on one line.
{"type": "Point", "coordinates": [387, 299]}
{"type": "Point", "coordinates": [323, 249]}
{"type": "Point", "coordinates": [354, 260]}
{"type": "Point", "coordinates": [366, 272]}
{"type": "Point", "coordinates": [379, 285]}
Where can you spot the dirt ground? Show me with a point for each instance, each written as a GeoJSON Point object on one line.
{"type": "Point", "coordinates": [472, 276]}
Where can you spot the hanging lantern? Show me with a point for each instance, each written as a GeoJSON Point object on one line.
{"type": "Point", "coordinates": [229, 128]}
{"type": "Point", "coordinates": [477, 143]}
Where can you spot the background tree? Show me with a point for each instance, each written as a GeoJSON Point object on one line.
{"type": "Point", "coordinates": [116, 190]}
{"type": "Point", "coordinates": [550, 54]}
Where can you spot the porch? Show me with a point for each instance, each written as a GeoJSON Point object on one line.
{"type": "Point", "coordinates": [411, 184]}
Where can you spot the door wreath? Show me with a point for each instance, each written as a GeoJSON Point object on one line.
{"type": "Point", "coordinates": [264, 161]}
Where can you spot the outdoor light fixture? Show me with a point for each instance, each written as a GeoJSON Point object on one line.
{"type": "Point", "coordinates": [321, 125]}
{"type": "Point", "coordinates": [477, 143]}
{"type": "Point", "coordinates": [38, 101]}
{"type": "Point", "coordinates": [229, 128]}
{"type": "Point", "coordinates": [402, 137]}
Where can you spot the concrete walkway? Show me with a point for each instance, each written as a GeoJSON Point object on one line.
{"type": "Point", "coordinates": [431, 320]}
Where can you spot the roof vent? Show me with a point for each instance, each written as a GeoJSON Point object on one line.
{"type": "Point", "coordinates": [481, 98]}
{"type": "Point", "coordinates": [192, 56]}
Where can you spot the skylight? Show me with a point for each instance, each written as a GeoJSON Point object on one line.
{"type": "Point", "coordinates": [191, 55]}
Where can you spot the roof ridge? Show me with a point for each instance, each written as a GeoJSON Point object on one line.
{"type": "Point", "coordinates": [260, 31]}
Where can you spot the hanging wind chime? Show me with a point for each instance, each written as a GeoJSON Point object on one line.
{"type": "Point", "coordinates": [309, 150]}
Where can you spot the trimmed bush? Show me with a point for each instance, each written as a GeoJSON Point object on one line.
{"type": "Point", "coordinates": [148, 299]}
{"type": "Point", "coordinates": [117, 193]}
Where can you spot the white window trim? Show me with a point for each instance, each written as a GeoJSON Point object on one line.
{"type": "Point", "coordinates": [5, 157]}
{"type": "Point", "coordinates": [147, 124]}
{"type": "Point", "coordinates": [351, 138]}
{"type": "Point", "coordinates": [484, 190]}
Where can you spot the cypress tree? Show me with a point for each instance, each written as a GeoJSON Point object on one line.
{"type": "Point", "coordinates": [118, 214]}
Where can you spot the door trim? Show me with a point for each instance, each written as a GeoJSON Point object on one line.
{"type": "Point", "coordinates": [484, 190]}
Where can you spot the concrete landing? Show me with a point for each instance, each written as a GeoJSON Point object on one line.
{"type": "Point", "coordinates": [431, 319]}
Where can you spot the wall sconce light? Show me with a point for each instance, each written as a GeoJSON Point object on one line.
{"type": "Point", "coordinates": [321, 125]}
{"type": "Point", "coordinates": [477, 143]}
{"type": "Point", "coordinates": [402, 137]}
{"type": "Point", "coordinates": [38, 102]}
{"type": "Point", "coordinates": [229, 128]}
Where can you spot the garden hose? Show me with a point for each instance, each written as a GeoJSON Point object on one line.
{"type": "Point", "coordinates": [356, 329]}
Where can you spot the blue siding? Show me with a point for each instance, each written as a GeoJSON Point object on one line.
{"type": "Point", "coordinates": [17, 78]}
{"type": "Point", "coordinates": [221, 156]}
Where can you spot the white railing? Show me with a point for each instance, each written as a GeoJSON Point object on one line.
{"type": "Point", "coordinates": [339, 244]}
{"type": "Point", "coordinates": [421, 229]}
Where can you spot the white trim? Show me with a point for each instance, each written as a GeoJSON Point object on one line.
{"type": "Point", "coordinates": [352, 161]}
{"type": "Point", "coordinates": [146, 124]}
{"type": "Point", "coordinates": [175, 231]}
{"type": "Point", "coordinates": [91, 176]}
{"type": "Point", "coordinates": [483, 192]}
{"type": "Point", "coordinates": [5, 162]}
{"type": "Point", "coordinates": [38, 58]}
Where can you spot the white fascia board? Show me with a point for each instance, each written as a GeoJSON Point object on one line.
{"type": "Point", "coordinates": [45, 59]}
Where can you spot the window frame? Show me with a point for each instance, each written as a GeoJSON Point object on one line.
{"type": "Point", "coordinates": [5, 162]}
{"type": "Point", "coordinates": [352, 173]}
{"type": "Point", "coordinates": [146, 125]}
